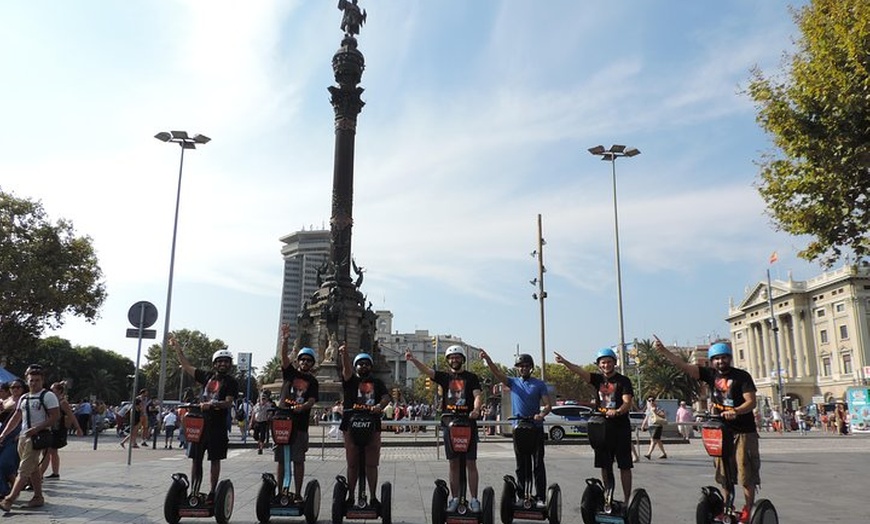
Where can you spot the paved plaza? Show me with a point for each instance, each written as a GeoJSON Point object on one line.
{"type": "Point", "coordinates": [816, 478]}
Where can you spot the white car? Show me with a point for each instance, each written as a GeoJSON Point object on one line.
{"type": "Point", "coordinates": [567, 420]}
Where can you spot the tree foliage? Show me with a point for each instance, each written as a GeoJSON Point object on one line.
{"type": "Point", "coordinates": [198, 349]}
{"type": "Point", "coordinates": [818, 115]}
{"type": "Point", "coordinates": [661, 379]}
{"type": "Point", "coordinates": [46, 272]}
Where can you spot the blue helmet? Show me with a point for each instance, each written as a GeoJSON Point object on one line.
{"type": "Point", "coordinates": [605, 353]}
{"type": "Point", "coordinates": [307, 351]}
{"type": "Point", "coordinates": [362, 356]}
{"type": "Point", "coordinates": [718, 349]}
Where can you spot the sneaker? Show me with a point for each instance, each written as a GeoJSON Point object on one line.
{"type": "Point", "coordinates": [540, 503]}
{"type": "Point", "coordinates": [145, 443]}
{"type": "Point", "coordinates": [36, 502]}
{"type": "Point", "coordinates": [453, 505]}
{"type": "Point", "coordinates": [474, 505]}
{"type": "Point", "coordinates": [259, 452]}
{"type": "Point", "coordinates": [744, 515]}
{"type": "Point", "coordinates": [53, 476]}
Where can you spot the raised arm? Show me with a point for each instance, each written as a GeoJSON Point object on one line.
{"type": "Point", "coordinates": [185, 364]}
{"type": "Point", "coordinates": [685, 367]}
{"type": "Point", "coordinates": [423, 368]}
{"type": "Point", "coordinates": [496, 372]}
{"type": "Point", "coordinates": [344, 359]}
{"type": "Point", "coordinates": [574, 368]}
{"type": "Point", "coordinates": [286, 361]}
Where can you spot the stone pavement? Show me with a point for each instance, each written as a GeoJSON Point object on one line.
{"type": "Point", "coordinates": [812, 478]}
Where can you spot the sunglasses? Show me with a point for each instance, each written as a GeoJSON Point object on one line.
{"type": "Point", "coordinates": [16, 386]}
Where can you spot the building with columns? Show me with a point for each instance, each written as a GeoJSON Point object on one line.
{"type": "Point", "coordinates": [822, 336]}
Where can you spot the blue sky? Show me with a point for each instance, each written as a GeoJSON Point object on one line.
{"type": "Point", "coordinates": [478, 117]}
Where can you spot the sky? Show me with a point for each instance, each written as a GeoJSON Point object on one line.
{"type": "Point", "coordinates": [477, 118]}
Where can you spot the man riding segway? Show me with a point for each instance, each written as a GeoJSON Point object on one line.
{"type": "Point", "coordinates": [526, 497]}
{"type": "Point", "coordinates": [207, 433]}
{"type": "Point", "coordinates": [364, 397]}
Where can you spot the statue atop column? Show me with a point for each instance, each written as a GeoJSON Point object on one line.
{"type": "Point", "coordinates": [353, 17]}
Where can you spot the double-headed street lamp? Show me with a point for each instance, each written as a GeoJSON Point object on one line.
{"type": "Point", "coordinates": [610, 155]}
{"type": "Point", "coordinates": [186, 142]}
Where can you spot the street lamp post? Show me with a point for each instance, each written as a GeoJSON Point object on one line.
{"type": "Point", "coordinates": [186, 142]}
{"type": "Point", "coordinates": [610, 155]}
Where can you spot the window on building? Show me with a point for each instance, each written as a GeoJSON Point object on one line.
{"type": "Point", "coordinates": [739, 335]}
{"type": "Point", "coordinates": [847, 363]}
{"type": "Point", "coordinates": [844, 332]}
{"type": "Point", "coordinates": [740, 354]}
{"type": "Point", "coordinates": [823, 336]}
{"type": "Point", "coordinates": [840, 307]}
{"type": "Point", "coordinates": [826, 366]}
{"type": "Point", "coordinates": [820, 313]}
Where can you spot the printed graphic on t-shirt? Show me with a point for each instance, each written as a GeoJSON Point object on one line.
{"type": "Point", "coordinates": [455, 393]}
{"type": "Point", "coordinates": [606, 395]}
{"type": "Point", "coordinates": [298, 391]}
{"type": "Point", "coordinates": [365, 394]}
{"type": "Point", "coordinates": [723, 391]}
{"type": "Point", "coordinates": [211, 391]}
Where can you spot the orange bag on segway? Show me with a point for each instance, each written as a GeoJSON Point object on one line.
{"type": "Point", "coordinates": [717, 438]}
{"type": "Point", "coordinates": [281, 430]}
{"type": "Point", "coordinates": [194, 424]}
{"type": "Point", "coordinates": [460, 437]}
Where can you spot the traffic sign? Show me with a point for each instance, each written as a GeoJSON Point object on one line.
{"type": "Point", "coordinates": [146, 333]}
{"type": "Point", "coordinates": [143, 312]}
{"type": "Point", "coordinates": [244, 361]}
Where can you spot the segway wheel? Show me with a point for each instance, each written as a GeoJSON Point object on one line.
{"type": "Point", "coordinates": [339, 496]}
{"type": "Point", "coordinates": [487, 503]}
{"type": "Point", "coordinates": [508, 499]}
{"type": "Point", "coordinates": [439, 505]}
{"type": "Point", "coordinates": [709, 505]}
{"type": "Point", "coordinates": [174, 497]}
{"type": "Point", "coordinates": [639, 508]}
{"type": "Point", "coordinates": [312, 501]}
{"type": "Point", "coordinates": [224, 496]}
{"type": "Point", "coordinates": [764, 513]}
{"type": "Point", "coordinates": [264, 501]}
{"type": "Point", "coordinates": [591, 501]}
{"type": "Point", "coordinates": [554, 504]}
{"type": "Point", "coordinates": [387, 503]}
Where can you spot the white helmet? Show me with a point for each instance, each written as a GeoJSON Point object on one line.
{"type": "Point", "coordinates": [222, 353]}
{"type": "Point", "coordinates": [455, 350]}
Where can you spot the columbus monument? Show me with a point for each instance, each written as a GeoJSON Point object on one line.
{"type": "Point", "coordinates": [337, 313]}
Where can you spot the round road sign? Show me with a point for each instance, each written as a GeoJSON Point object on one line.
{"type": "Point", "coordinates": [135, 315]}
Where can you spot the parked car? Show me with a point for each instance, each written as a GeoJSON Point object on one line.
{"type": "Point", "coordinates": [567, 420]}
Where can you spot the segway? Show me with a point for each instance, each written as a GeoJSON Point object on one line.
{"type": "Point", "coordinates": [517, 502]}
{"type": "Point", "coordinates": [712, 506]}
{"type": "Point", "coordinates": [362, 425]}
{"type": "Point", "coordinates": [598, 504]}
{"type": "Point", "coordinates": [275, 499]}
{"type": "Point", "coordinates": [460, 431]}
{"type": "Point", "coordinates": [184, 498]}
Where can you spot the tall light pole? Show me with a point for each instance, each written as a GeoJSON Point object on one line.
{"type": "Point", "coordinates": [610, 155]}
{"type": "Point", "coordinates": [182, 139]}
{"type": "Point", "coordinates": [541, 294]}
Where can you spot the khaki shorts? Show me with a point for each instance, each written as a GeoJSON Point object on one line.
{"type": "Point", "coordinates": [297, 449]}
{"type": "Point", "coordinates": [29, 462]}
{"type": "Point", "coordinates": [747, 461]}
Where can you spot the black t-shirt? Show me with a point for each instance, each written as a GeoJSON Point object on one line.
{"type": "Point", "coordinates": [610, 391]}
{"type": "Point", "coordinates": [727, 391]}
{"type": "Point", "coordinates": [361, 393]}
{"type": "Point", "coordinates": [216, 387]}
{"type": "Point", "coordinates": [297, 388]}
{"type": "Point", "coordinates": [458, 391]}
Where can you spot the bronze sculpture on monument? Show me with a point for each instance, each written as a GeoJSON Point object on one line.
{"type": "Point", "coordinates": [336, 312]}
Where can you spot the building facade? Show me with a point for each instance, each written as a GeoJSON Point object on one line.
{"type": "Point", "coordinates": [816, 342]}
{"type": "Point", "coordinates": [304, 252]}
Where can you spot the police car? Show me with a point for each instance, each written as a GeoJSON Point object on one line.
{"type": "Point", "coordinates": [568, 420]}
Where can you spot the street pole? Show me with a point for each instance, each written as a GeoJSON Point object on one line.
{"type": "Point", "coordinates": [775, 328]}
{"type": "Point", "coordinates": [541, 296]}
{"type": "Point", "coordinates": [185, 142]}
{"type": "Point", "coordinates": [610, 155]}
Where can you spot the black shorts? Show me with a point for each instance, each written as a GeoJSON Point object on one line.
{"type": "Point", "coordinates": [261, 430]}
{"type": "Point", "coordinates": [215, 442]}
{"type": "Point", "coordinates": [618, 449]}
{"type": "Point", "coordinates": [655, 432]}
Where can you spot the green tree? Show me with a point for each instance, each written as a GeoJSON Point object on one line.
{"type": "Point", "coordinates": [46, 273]}
{"type": "Point", "coordinates": [569, 386]}
{"type": "Point", "coordinates": [271, 372]}
{"type": "Point", "coordinates": [817, 113]}
{"type": "Point", "coordinates": [661, 379]}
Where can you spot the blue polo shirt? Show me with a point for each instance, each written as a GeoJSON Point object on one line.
{"type": "Point", "coordinates": [526, 397]}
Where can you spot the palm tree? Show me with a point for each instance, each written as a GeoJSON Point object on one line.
{"type": "Point", "coordinates": [660, 378]}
